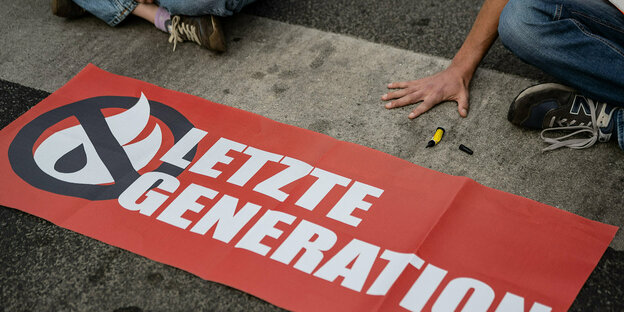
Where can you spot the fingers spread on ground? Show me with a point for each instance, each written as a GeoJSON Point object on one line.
{"type": "Point", "coordinates": [397, 85]}
{"type": "Point", "coordinates": [421, 108]}
{"type": "Point", "coordinates": [395, 94]}
{"type": "Point", "coordinates": [411, 98]}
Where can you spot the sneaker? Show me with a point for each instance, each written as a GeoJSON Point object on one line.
{"type": "Point", "coordinates": [555, 107]}
{"type": "Point", "coordinates": [66, 8]}
{"type": "Point", "coordinates": [203, 30]}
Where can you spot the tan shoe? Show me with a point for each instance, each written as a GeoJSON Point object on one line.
{"type": "Point", "coordinates": [203, 30]}
{"type": "Point", "coordinates": [66, 8]}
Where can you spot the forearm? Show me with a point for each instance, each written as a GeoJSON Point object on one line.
{"type": "Point", "coordinates": [479, 40]}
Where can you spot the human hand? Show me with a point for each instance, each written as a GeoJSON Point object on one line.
{"type": "Point", "coordinates": [448, 85]}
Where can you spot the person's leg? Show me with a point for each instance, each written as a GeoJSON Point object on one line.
{"type": "Point", "coordinates": [203, 30]}
{"type": "Point", "coordinates": [153, 14]}
{"type": "Point", "coordinates": [619, 126]}
{"type": "Point", "coordinates": [204, 7]}
{"type": "Point", "coordinates": [112, 12]}
{"type": "Point", "coordinates": [580, 42]}
{"type": "Point", "coordinates": [146, 11]}
{"type": "Point", "coordinates": [196, 20]}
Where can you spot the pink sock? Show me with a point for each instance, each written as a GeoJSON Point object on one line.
{"type": "Point", "coordinates": [162, 16]}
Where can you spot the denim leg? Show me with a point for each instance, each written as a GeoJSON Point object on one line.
{"type": "Point", "coordinates": [204, 7]}
{"type": "Point", "coordinates": [110, 11]}
{"type": "Point", "coordinates": [579, 42]}
{"type": "Point", "coordinates": [619, 125]}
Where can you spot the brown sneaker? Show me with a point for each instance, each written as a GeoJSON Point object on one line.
{"type": "Point", "coordinates": [203, 30]}
{"type": "Point", "coordinates": [66, 8]}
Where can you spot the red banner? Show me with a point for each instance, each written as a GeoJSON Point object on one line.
{"type": "Point", "coordinates": [297, 218]}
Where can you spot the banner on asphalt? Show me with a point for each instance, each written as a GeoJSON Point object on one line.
{"type": "Point", "coordinates": [297, 218]}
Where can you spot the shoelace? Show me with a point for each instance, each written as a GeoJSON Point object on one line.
{"type": "Point", "coordinates": [181, 30]}
{"type": "Point", "coordinates": [577, 143]}
{"type": "Point", "coordinates": [563, 122]}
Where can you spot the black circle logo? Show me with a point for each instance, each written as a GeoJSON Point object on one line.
{"type": "Point", "coordinates": [92, 160]}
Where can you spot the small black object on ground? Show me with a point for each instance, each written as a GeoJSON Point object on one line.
{"type": "Point", "coordinates": [465, 149]}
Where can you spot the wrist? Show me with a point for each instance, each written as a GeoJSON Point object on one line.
{"type": "Point", "coordinates": [462, 70]}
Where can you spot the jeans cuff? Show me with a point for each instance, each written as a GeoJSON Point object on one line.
{"type": "Point", "coordinates": [124, 8]}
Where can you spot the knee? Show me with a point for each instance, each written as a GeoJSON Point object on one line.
{"type": "Point", "coordinates": [519, 26]}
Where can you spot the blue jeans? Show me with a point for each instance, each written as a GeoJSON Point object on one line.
{"type": "Point", "coordinates": [579, 42]}
{"type": "Point", "coordinates": [114, 11]}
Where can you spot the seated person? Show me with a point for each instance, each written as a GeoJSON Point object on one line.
{"type": "Point", "coordinates": [579, 42]}
{"type": "Point", "coordinates": [184, 20]}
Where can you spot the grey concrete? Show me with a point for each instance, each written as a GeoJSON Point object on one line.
{"type": "Point", "coordinates": [321, 81]}
{"type": "Point", "coordinates": [434, 27]}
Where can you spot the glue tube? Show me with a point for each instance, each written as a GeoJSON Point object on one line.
{"type": "Point", "coordinates": [437, 136]}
